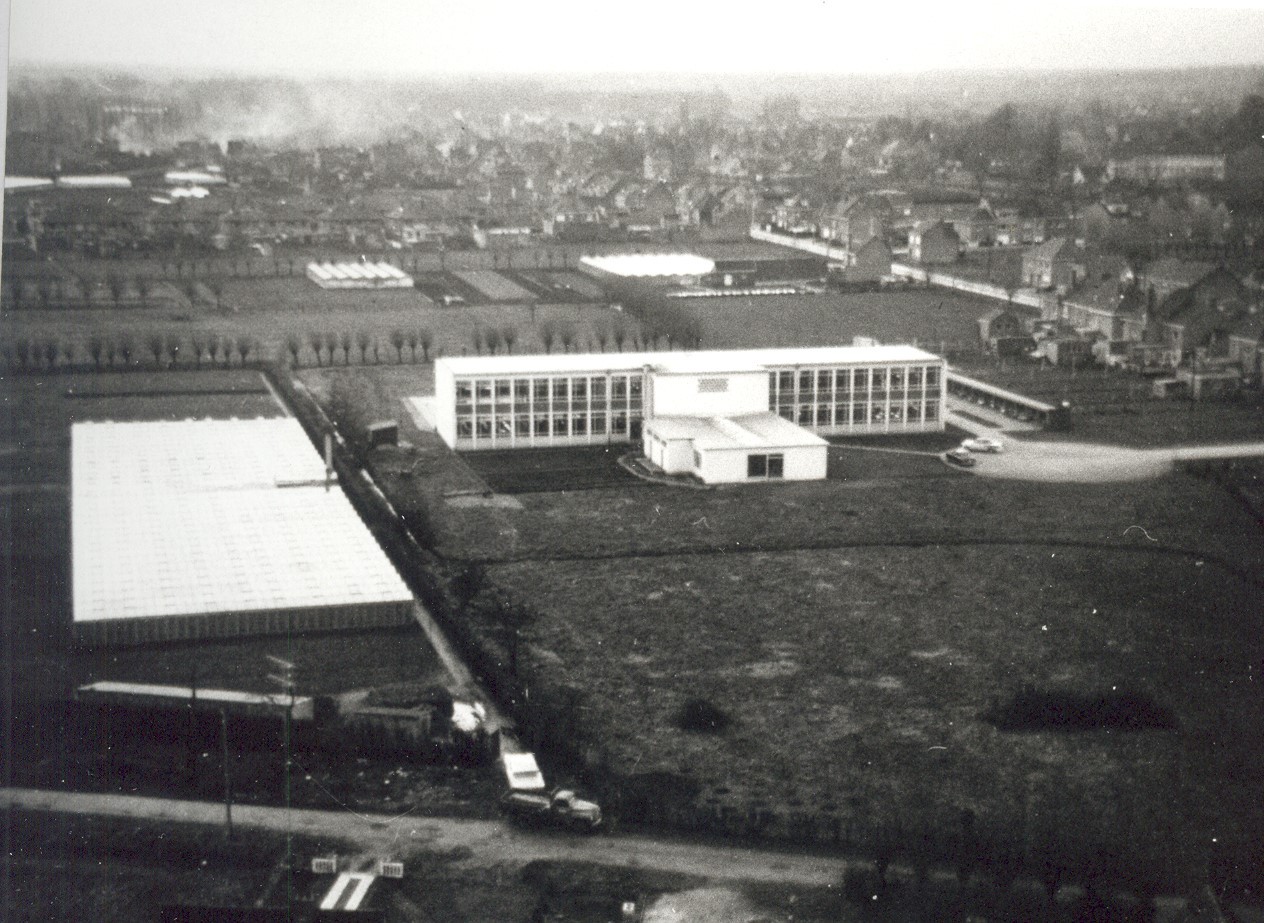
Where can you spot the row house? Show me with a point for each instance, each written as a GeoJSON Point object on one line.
{"type": "Point", "coordinates": [1110, 308]}
{"type": "Point", "coordinates": [1165, 277]}
{"type": "Point", "coordinates": [1059, 264]}
{"type": "Point", "coordinates": [1246, 342]}
{"type": "Point", "coordinates": [935, 244]}
{"type": "Point", "coordinates": [1202, 316]}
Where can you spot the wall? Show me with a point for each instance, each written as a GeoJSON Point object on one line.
{"type": "Point", "coordinates": [678, 395]}
{"type": "Point", "coordinates": [728, 466]}
{"type": "Point", "coordinates": [1028, 298]}
{"type": "Point", "coordinates": [445, 403]}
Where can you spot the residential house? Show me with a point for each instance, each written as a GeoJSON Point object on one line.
{"type": "Point", "coordinates": [1246, 342]}
{"type": "Point", "coordinates": [1168, 169]}
{"type": "Point", "coordinates": [1057, 264]}
{"type": "Point", "coordinates": [1170, 275]}
{"type": "Point", "coordinates": [1199, 319]}
{"type": "Point", "coordinates": [1110, 307]}
{"type": "Point", "coordinates": [935, 245]}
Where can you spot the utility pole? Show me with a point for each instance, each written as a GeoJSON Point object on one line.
{"type": "Point", "coordinates": [228, 778]}
{"type": "Point", "coordinates": [284, 677]}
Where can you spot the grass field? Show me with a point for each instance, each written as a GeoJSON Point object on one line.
{"type": "Point", "coordinates": [926, 316]}
{"type": "Point", "coordinates": [87, 868]}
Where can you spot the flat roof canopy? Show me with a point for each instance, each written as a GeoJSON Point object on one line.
{"type": "Point", "coordinates": [683, 362]}
{"type": "Point", "coordinates": [763, 430]}
{"type": "Point", "coordinates": [214, 516]}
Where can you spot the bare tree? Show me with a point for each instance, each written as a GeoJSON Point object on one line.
{"type": "Point", "coordinates": [173, 350]}
{"type": "Point", "coordinates": [331, 344]}
{"type": "Point", "coordinates": [144, 288]}
{"type": "Point", "coordinates": [602, 334]}
{"type": "Point", "coordinates": [126, 349]}
{"type": "Point", "coordinates": [117, 287]}
{"type": "Point", "coordinates": [476, 337]}
{"type": "Point", "coordinates": [362, 343]}
{"type": "Point", "coordinates": [96, 348]}
{"type": "Point", "coordinates": [217, 289]}
{"type": "Point", "coordinates": [197, 342]}
{"type": "Point", "coordinates": [247, 347]}
{"type": "Point", "coordinates": [397, 340]}
{"type": "Point", "coordinates": [292, 346]}
{"type": "Point", "coordinates": [345, 340]}
{"type": "Point", "coordinates": [52, 352]}
{"type": "Point", "coordinates": [548, 335]}
{"type": "Point", "coordinates": [155, 344]}
{"type": "Point", "coordinates": [426, 338]}
{"type": "Point", "coordinates": [567, 335]}
{"type": "Point", "coordinates": [412, 344]}
{"type": "Point", "coordinates": [316, 341]}
{"type": "Point", "coordinates": [509, 333]}
{"type": "Point", "coordinates": [491, 336]}
{"type": "Point", "coordinates": [619, 334]}
{"type": "Point", "coordinates": [191, 293]}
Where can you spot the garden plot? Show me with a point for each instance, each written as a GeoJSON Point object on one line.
{"type": "Point", "coordinates": [494, 285]}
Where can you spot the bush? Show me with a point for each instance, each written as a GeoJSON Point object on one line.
{"type": "Point", "coordinates": [1053, 710]}
{"type": "Point", "coordinates": [702, 717]}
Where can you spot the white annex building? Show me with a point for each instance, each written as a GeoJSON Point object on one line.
{"type": "Point", "coordinates": [358, 275]}
{"type": "Point", "coordinates": [721, 415]}
{"type": "Point", "coordinates": [202, 528]}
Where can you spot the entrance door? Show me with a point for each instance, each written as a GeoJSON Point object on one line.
{"type": "Point", "coordinates": [634, 431]}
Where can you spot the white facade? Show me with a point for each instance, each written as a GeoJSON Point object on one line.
{"type": "Point", "coordinates": [358, 275]}
{"type": "Point", "coordinates": [508, 402]}
{"type": "Point", "coordinates": [758, 446]}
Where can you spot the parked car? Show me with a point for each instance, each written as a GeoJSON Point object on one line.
{"type": "Point", "coordinates": [561, 807]}
{"type": "Point", "coordinates": [961, 457]}
{"type": "Point", "coordinates": [983, 444]}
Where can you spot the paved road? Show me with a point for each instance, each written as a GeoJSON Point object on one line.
{"type": "Point", "coordinates": [1087, 462]}
{"type": "Point", "coordinates": [488, 842]}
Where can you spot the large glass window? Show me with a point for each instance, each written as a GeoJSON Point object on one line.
{"type": "Point", "coordinates": [483, 428]}
{"type": "Point", "coordinates": [503, 386]}
{"type": "Point", "coordinates": [559, 424]}
{"type": "Point", "coordinates": [465, 428]}
{"type": "Point", "coordinates": [914, 414]}
{"type": "Point", "coordinates": [822, 414]}
{"type": "Point", "coordinates": [579, 389]}
{"type": "Point", "coordinates": [598, 389]}
{"type": "Point", "coordinates": [542, 426]}
{"type": "Point", "coordinates": [897, 379]}
{"type": "Point", "coordinates": [765, 466]}
{"type": "Point", "coordinates": [619, 423]}
{"type": "Point", "coordinates": [559, 389]}
{"type": "Point", "coordinates": [579, 425]}
{"type": "Point", "coordinates": [915, 379]}
{"type": "Point", "coordinates": [932, 376]}
{"type": "Point", "coordinates": [635, 385]}
{"type": "Point", "coordinates": [805, 414]}
{"type": "Point", "coordinates": [619, 387]}
{"type": "Point", "coordinates": [785, 381]}
{"type": "Point", "coordinates": [502, 427]}
{"type": "Point", "coordinates": [932, 412]}
{"type": "Point", "coordinates": [522, 426]}
{"type": "Point", "coordinates": [599, 424]}
{"type": "Point", "coordinates": [464, 392]}
{"type": "Point", "coordinates": [522, 389]}
{"type": "Point", "coordinates": [541, 386]}
{"type": "Point", "coordinates": [844, 381]}
{"type": "Point", "coordinates": [825, 380]}
{"type": "Point", "coordinates": [842, 414]}
{"type": "Point", "coordinates": [805, 382]}
{"type": "Point", "coordinates": [483, 390]}
{"type": "Point", "coordinates": [787, 411]}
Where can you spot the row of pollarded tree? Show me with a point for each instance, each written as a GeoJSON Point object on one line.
{"type": "Point", "coordinates": [48, 292]}
{"type": "Point", "coordinates": [605, 336]}
{"type": "Point", "coordinates": [124, 352]}
{"type": "Point", "coordinates": [361, 347]}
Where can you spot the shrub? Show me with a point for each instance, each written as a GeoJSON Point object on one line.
{"type": "Point", "coordinates": [1033, 709]}
{"type": "Point", "coordinates": [702, 717]}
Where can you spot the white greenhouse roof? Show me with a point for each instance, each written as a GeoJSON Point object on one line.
{"type": "Point", "coordinates": [640, 265]}
{"type": "Point", "coordinates": [680, 362]}
{"type": "Point", "coordinates": [209, 516]}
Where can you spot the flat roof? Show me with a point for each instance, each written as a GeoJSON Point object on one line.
{"type": "Point", "coordinates": [641, 265]}
{"type": "Point", "coordinates": [210, 516]}
{"type": "Point", "coordinates": [683, 362]}
{"type": "Point", "coordinates": [762, 430]}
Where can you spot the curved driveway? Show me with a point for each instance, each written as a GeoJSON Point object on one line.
{"type": "Point", "coordinates": [1087, 462]}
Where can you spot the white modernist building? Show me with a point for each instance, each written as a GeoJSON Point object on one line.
{"type": "Point", "coordinates": [722, 415]}
{"type": "Point", "coordinates": [358, 275]}
{"type": "Point", "coordinates": [203, 528]}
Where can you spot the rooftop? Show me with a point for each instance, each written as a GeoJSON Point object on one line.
{"type": "Point", "coordinates": [683, 362]}
{"type": "Point", "coordinates": [641, 265]}
{"type": "Point", "coordinates": [763, 430]}
{"type": "Point", "coordinates": [199, 516]}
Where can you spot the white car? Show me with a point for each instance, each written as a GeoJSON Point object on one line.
{"type": "Point", "coordinates": [983, 444]}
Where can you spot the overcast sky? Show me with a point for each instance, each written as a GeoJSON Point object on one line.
{"type": "Point", "coordinates": [699, 36]}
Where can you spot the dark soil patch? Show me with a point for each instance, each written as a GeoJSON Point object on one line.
{"type": "Point", "coordinates": [1060, 710]}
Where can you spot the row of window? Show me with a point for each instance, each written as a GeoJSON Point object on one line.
{"type": "Point", "coordinates": [859, 413]}
{"type": "Point", "coordinates": [766, 466]}
{"type": "Point", "coordinates": [828, 381]}
{"type": "Point", "coordinates": [544, 425]}
{"type": "Point", "coordinates": [539, 390]}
